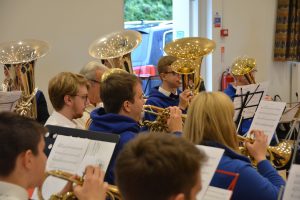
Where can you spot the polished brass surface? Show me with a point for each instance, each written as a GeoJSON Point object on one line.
{"type": "Point", "coordinates": [19, 59]}
{"type": "Point", "coordinates": [108, 72]}
{"type": "Point", "coordinates": [278, 155]}
{"type": "Point", "coordinates": [115, 49]}
{"type": "Point", "coordinates": [243, 67]}
{"type": "Point", "coordinates": [112, 193]}
{"type": "Point", "coordinates": [160, 123]}
{"type": "Point", "coordinates": [189, 53]}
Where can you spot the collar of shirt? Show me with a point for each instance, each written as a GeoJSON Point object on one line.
{"type": "Point", "coordinates": [165, 92]}
{"type": "Point", "coordinates": [58, 119]}
{"type": "Point", "coordinates": [11, 191]}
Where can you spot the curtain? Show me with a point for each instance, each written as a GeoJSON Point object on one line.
{"type": "Point", "coordinates": [287, 35]}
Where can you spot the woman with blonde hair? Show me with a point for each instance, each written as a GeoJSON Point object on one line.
{"type": "Point", "coordinates": [210, 122]}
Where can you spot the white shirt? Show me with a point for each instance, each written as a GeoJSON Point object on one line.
{"type": "Point", "coordinates": [9, 191]}
{"type": "Point", "coordinates": [165, 92]}
{"type": "Point", "coordinates": [58, 119]}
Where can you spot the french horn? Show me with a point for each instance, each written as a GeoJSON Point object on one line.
{"type": "Point", "coordinates": [189, 53]}
{"type": "Point", "coordinates": [243, 67]}
{"type": "Point", "coordinates": [19, 59]}
{"type": "Point", "coordinates": [115, 49]}
{"type": "Point", "coordinates": [112, 193]}
{"type": "Point", "coordinates": [278, 155]}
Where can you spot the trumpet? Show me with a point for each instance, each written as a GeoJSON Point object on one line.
{"type": "Point", "coordinates": [160, 124]}
{"type": "Point", "coordinates": [112, 193]}
{"type": "Point", "coordinates": [278, 155]}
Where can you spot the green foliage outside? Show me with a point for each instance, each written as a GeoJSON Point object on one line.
{"type": "Point", "coordinates": [135, 10]}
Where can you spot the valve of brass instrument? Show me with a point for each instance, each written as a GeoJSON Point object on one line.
{"type": "Point", "coordinates": [161, 122]}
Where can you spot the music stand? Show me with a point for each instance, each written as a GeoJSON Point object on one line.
{"type": "Point", "coordinates": [51, 136]}
{"type": "Point", "coordinates": [247, 101]}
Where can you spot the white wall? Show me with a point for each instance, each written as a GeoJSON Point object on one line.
{"type": "Point", "coordinates": [69, 26]}
{"type": "Point", "coordinates": [251, 26]}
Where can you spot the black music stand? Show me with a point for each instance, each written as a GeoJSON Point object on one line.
{"type": "Point", "coordinates": [51, 136]}
{"type": "Point", "coordinates": [245, 104]}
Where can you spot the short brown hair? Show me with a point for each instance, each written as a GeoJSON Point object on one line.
{"type": "Point", "coordinates": [164, 63]}
{"type": "Point", "coordinates": [64, 83]}
{"type": "Point", "coordinates": [17, 135]}
{"type": "Point", "coordinates": [157, 166]}
{"type": "Point", "coordinates": [117, 88]}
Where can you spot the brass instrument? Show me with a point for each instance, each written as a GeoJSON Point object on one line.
{"type": "Point", "coordinates": [278, 155]}
{"type": "Point", "coordinates": [112, 193]}
{"type": "Point", "coordinates": [243, 67]}
{"type": "Point", "coordinates": [160, 124]}
{"type": "Point", "coordinates": [189, 53]}
{"type": "Point", "coordinates": [115, 49]}
{"type": "Point", "coordinates": [19, 58]}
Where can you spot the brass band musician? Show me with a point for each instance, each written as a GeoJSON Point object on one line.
{"type": "Point", "coordinates": [168, 93]}
{"type": "Point", "coordinates": [210, 122]}
{"type": "Point", "coordinates": [23, 161]}
{"type": "Point", "coordinates": [68, 93]}
{"type": "Point", "coordinates": [123, 101]}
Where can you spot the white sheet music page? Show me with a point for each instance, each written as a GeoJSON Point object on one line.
{"type": "Point", "coordinates": [8, 100]}
{"type": "Point", "coordinates": [214, 193]}
{"type": "Point", "coordinates": [209, 168]}
{"type": "Point", "coordinates": [73, 154]}
{"type": "Point", "coordinates": [267, 117]}
{"type": "Point", "coordinates": [292, 189]}
{"type": "Point", "coordinates": [260, 91]}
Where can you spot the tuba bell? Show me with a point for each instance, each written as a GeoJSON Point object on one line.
{"type": "Point", "coordinates": [19, 59]}
{"type": "Point", "coordinates": [189, 53]}
{"type": "Point", "coordinates": [115, 49]}
{"type": "Point", "coordinates": [244, 66]}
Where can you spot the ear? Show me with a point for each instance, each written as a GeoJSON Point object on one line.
{"type": "Point", "coordinates": [27, 159]}
{"type": "Point", "coordinates": [127, 106]}
{"type": "Point", "coordinates": [68, 99]}
{"type": "Point", "coordinates": [162, 76]}
{"type": "Point", "coordinates": [179, 196]}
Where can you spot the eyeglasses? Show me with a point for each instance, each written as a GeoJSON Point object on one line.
{"type": "Point", "coordinates": [84, 97]}
{"type": "Point", "coordinates": [171, 72]}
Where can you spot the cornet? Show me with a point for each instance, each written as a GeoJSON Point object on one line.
{"type": "Point", "coordinates": [112, 193]}
{"type": "Point", "coordinates": [278, 155]}
{"type": "Point", "coordinates": [160, 124]}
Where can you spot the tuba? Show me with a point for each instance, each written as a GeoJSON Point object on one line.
{"type": "Point", "coordinates": [189, 53]}
{"type": "Point", "coordinates": [112, 193]}
{"type": "Point", "coordinates": [19, 59]}
{"type": "Point", "coordinates": [115, 49]}
{"type": "Point", "coordinates": [279, 155]}
{"type": "Point", "coordinates": [243, 67]}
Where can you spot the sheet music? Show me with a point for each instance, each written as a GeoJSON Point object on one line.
{"type": "Point", "coordinates": [209, 167]}
{"type": "Point", "coordinates": [8, 100]}
{"type": "Point", "coordinates": [253, 99]}
{"type": "Point", "coordinates": [73, 154]}
{"type": "Point", "coordinates": [289, 114]}
{"type": "Point", "coordinates": [214, 193]}
{"type": "Point", "coordinates": [292, 190]}
{"type": "Point", "coordinates": [267, 117]}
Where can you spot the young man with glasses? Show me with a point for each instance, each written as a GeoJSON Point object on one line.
{"type": "Point", "coordinates": [168, 93]}
{"type": "Point", "coordinates": [93, 73]}
{"type": "Point", "coordinates": [68, 94]}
